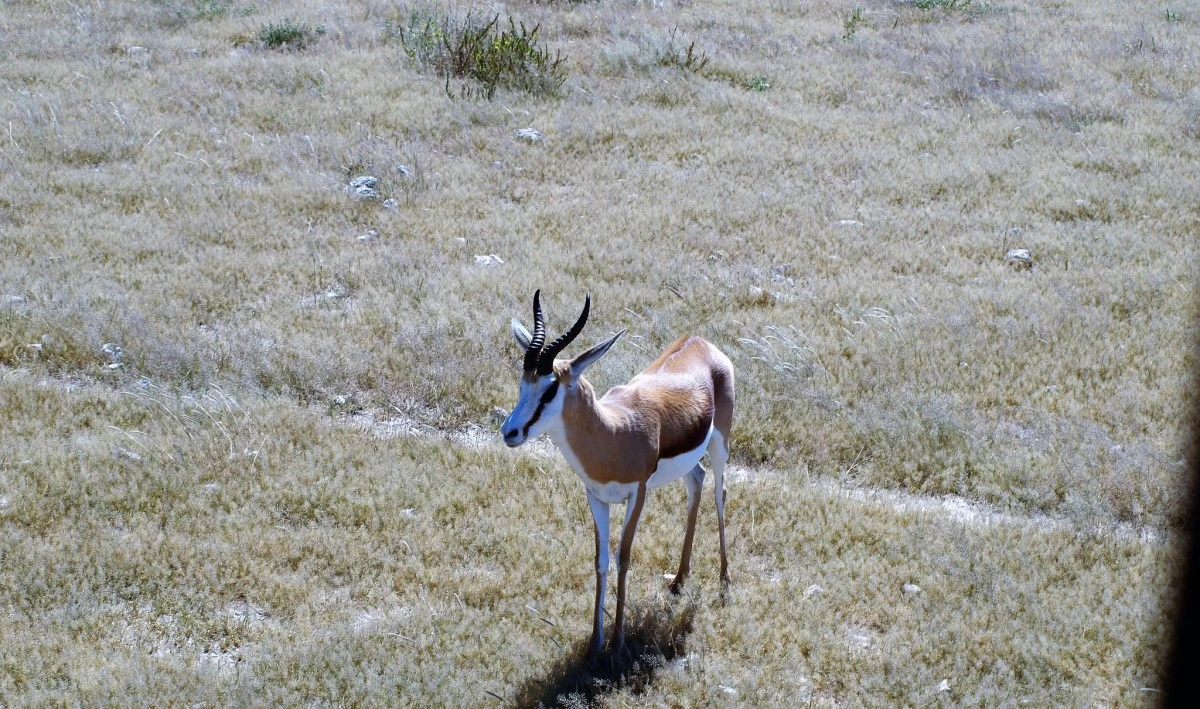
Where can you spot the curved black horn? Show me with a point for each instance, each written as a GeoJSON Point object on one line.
{"type": "Point", "coordinates": [546, 360]}
{"type": "Point", "coordinates": [539, 334]}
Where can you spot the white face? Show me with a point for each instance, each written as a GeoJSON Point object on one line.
{"type": "Point", "coordinates": [539, 405]}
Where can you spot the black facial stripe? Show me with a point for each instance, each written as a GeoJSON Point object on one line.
{"type": "Point", "coordinates": [546, 399]}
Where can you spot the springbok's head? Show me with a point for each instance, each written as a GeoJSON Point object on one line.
{"type": "Point", "coordinates": [544, 386]}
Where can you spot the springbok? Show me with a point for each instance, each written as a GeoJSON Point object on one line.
{"type": "Point", "coordinates": [637, 437]}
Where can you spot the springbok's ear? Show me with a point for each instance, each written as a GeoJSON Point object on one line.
{"type": "Point", "coordinates": [522, 335]}
{"type": "Point", "coordinates": [585, 360]}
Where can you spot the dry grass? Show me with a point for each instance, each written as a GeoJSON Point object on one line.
{"type": "Point", "coordinates": [832, 208]}
{"type": "Point", "coordinates": [173, 548]}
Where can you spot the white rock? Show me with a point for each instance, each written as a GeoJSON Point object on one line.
{"type": "Point", "coordinates": [405, 170]}
{"type": "Point", "coordinates": [859, 638]}
{"type": "Point", "coordinates": [912, 589]}
{"type": "Point", "coordinates": [136, 50]}
{"type": "Point", "coordinates": [245, 612]}
{"type": "Point", "coordinates": [849, 222]}
{"type": "Point", "coordinates": [326, 297]}
{"type": "Point", "coordinates": [123, 452]}
{"type": "Point", "coordinates": [531, 135]}
{"type": "Point", "coordinates": [391, 204]}
{"type": "Point", "coordinates": [1019, 259]}
{"type": "Point", "coordinates": [364, 187]}
{"type": "Point", "coordinates": [365, 620]}
{"type": "Point", "coordinates": [370, 235]}
{"type": "Point", "coordinates": [943, 686]}
{"type": "Point", "coordinates": [813, 590]}
{"type": "Point", "coordinates": [489, 260]}
{"type": "Point", "coordinates": [728, 690]}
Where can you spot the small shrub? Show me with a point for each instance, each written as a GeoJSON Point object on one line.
{"type": "Point", "coordinates": [286, 34]}
{"type": "Point", "coordinates": [1172, 16]}
{"type": "Point", "coordinates": [211, 9]}
{"type": "Point", "coordinates": [945, 4]}
{"type": "Point", "coordinates": [473, 48]}
{"type": "Point", "coordinates": [674, 55]}
{"type": "Point", "coordinates": [757, 83]}
{"type": "Point", "coordinates": [851, 23]}
{"type": "Point", "coordinates": [178, 13]}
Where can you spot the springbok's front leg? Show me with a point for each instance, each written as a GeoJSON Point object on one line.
{"type": "Point", "coordinates": [600, 521]}
{"type": "Point", "coordinates": [633, 512]}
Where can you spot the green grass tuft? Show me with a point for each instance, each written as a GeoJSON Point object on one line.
{"type": "Point", "coordinates": [851, 23]}
{"type": "Point", "coordinates": [673, 54]}
{"type": "Point", "coordinates": [287, 34]}
{"type": "Point", "coordinates": [211, 9]}
{"type": "Point", "coordinates": [477, 50]}
{"type": "Point", "coordinates": [757, 83]}
{"type": "Point", "coordinates": [944, 4]}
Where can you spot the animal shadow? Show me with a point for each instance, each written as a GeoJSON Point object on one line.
{"type": "Point", "coordinates": [652, 639]}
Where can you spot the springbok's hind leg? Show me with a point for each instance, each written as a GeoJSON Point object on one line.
{"type": "Point", "coordinates": [695, 484]}
{"type": "Point", "coordinates": [633, 512]}
{"type": "Point", "coordinates": [718, 454]}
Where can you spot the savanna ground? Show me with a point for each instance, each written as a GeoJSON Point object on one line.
{"type": "Point", "coordinates": [233, 394]}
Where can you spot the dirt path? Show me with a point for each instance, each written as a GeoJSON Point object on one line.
{"type": "Point", "coordinates": [953, 508]}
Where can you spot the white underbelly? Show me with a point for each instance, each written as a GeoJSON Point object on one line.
{"type": "Point", "coordinates": [610, 493]}
{"type": "Point", "coordinates": [671, 469]}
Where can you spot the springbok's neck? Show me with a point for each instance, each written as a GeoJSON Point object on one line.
{"type": "Point", "coordinates": [586, 416]}
{"type": "Point", "coordinates": [580, 422]}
